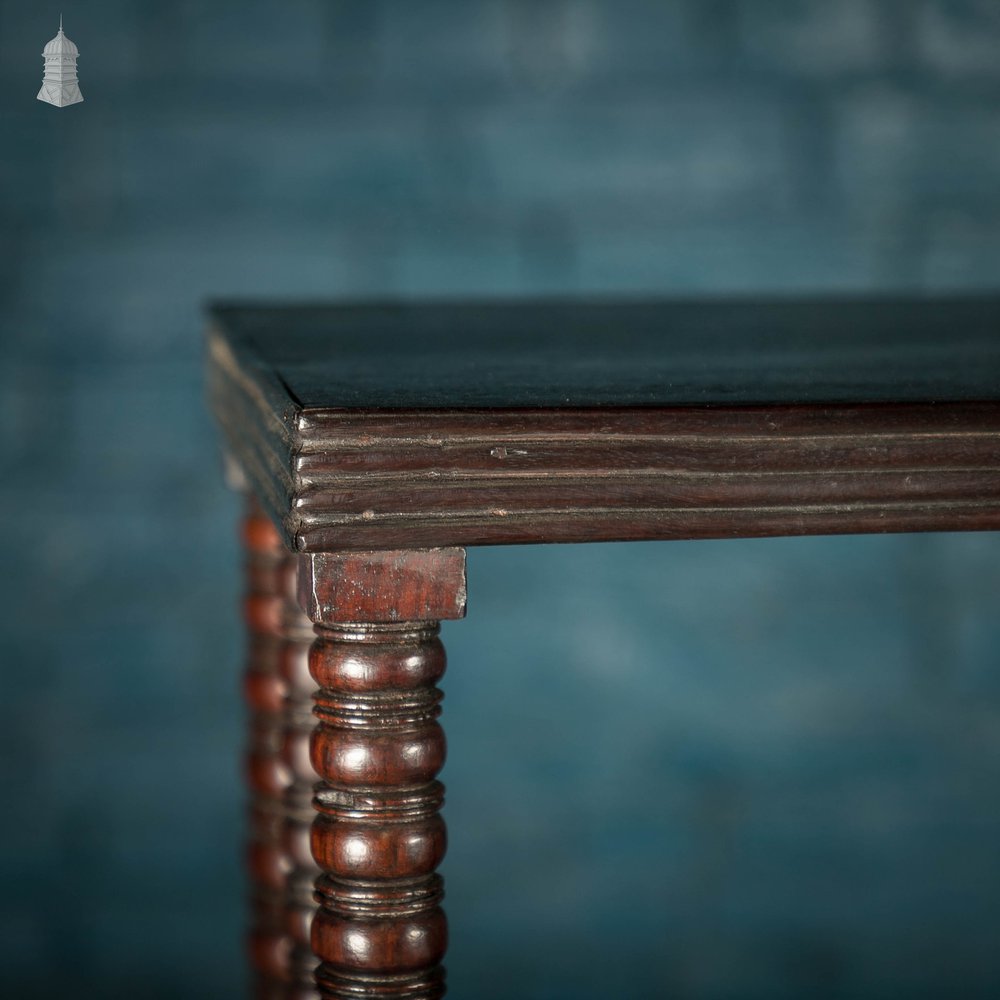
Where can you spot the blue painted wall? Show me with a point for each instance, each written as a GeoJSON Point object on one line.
{"type": "Point", "coordinates": [721, 770]}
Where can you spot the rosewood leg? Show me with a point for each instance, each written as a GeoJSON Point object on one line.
{"type": "Point", "coordinates": [378, 837]}
{"type": "Point", "coordinates": [279, 697]}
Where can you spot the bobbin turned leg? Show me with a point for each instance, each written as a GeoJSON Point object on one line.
{"type": "Point", "coordinates": [378, 837]}
{"type": "Point", "coordinates": [280, 778]}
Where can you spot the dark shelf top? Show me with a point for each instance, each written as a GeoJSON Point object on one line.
{"type": "Point", "coordinates": [508, 355]}
{"type": "Point", "coordinates": [386, 426]}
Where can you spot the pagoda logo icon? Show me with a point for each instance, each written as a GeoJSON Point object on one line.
{"type": "Point", "coordinates": [59, 85]}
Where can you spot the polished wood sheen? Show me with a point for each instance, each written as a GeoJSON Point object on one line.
{"type": "Point", "coordinates": [280, 776]}
{"type": "Point", "coordinates": [370, 427]}
{"type": "Point", "coordinates": [380, 930]}
{"type": "Point", "coordinates": [380, 439]}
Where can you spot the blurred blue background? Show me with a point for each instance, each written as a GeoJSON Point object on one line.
{"type": "Point", "coordinates": [710, 771]}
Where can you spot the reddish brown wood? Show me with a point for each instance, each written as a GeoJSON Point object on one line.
{"type": "Point", "coordinates": [377, 436]}
{"type": "Point", "coordinates": [415, 585]}
{"type": "Point", "coordinates": [378, 837]}
{"type": "Point", "coordinates": [278, 691]}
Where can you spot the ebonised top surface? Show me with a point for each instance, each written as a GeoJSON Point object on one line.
{"type": "Point", "coordinates": [442, 355]}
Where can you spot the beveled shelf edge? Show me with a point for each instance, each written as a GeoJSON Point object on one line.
{"type": "Point", "coordinates": [342, 480]}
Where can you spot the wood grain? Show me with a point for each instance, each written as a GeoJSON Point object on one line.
{"type": "Point", "coordinates": [377, 586]}
{"type": "Point", "coordinates": [380, 439]}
